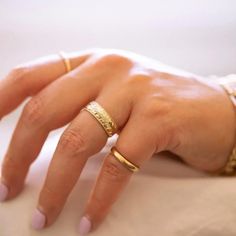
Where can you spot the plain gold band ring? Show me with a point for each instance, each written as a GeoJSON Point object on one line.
{"type": "Point", "coordinates": [126, 163]}
{"type": "Point", "coordinates": [104, 119]}
{"type": "Point", "coordinates": [66, 61]}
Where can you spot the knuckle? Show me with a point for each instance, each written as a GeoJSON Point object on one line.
{"type": "Point", "coordinates": [140, 77]}
{"type": "Point", "coordinates": [137, 81]}
{"type": "Point", "coordinates": [112, 60]}
{"type": "Point", "coordinates": [33, 112]}
{"type": "Point", "coordinates": [73, 141]}
{"type": "Point", "coordinates": [19, 74]}
{"type": "Point", "coordinates": [9, 163]}
{"type": "Point", "coordinates": [113, 171]}
{"type": "Point", "coordinates": [52, 198]}
{"type": "Point", "coordinates": [156, 109]}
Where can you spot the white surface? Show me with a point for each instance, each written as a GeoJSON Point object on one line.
{"type": "Point", "coordinates": [136, 212]}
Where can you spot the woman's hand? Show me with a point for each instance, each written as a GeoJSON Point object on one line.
{"type": "Point", "coordinates": [155, 107]}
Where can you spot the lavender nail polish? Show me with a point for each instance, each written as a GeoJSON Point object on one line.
{"type": "Point", "coordinates": [3, 192]}
{"type": "Point", "coordinates": [38, 220]}
{"type": "Point", "coordinates": [84, 226]}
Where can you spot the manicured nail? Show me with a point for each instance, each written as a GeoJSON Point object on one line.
{"type": "Point", "coordinates": [38, 220]}
{"type": "Point", "coordinates": [84, 226]}
{"type": "Point", "coordinates": [3, 192]}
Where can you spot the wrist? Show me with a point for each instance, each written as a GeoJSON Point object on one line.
{"type": "Point", "coordinates": [228, 85]}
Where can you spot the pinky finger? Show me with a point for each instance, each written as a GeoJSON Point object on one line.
{"type": "Point", "coordinates": [114, 176]}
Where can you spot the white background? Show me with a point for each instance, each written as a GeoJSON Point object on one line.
{"type": "Point", "coordinates": [196, 35]}
{"type": "Point", "coordinates": [199, 36]}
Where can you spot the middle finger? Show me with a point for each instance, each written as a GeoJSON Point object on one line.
{"type": "Point", "coordinates": [83, 138]}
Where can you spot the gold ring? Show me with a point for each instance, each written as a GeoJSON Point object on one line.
{"type": "Point", "coordinates": [66, 61]}
{"type": "Point", "coordinates": [104, 119]}
{"type": "Point", "coordinates": [126, 163]}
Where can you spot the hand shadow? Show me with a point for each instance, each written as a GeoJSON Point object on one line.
{"type": "Point", "coordinates": [168, 165]}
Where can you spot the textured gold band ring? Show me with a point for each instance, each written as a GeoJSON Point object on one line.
{"type": "Point", "coordinates": [104, 119]}
{"type": "Point", "coordinates": [66, 61]}
{"type": "Point", "coordinates": [126, 163]}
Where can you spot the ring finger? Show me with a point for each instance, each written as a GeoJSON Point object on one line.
{"type": "Point", "coordinates": [136, 146]}
{"type": "Point", "coordinates": [83, 138]}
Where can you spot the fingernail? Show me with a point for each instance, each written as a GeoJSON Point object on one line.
{"type": "Point", "coordinates": [38, 220]}
{"type": "Point", "coordinates": [3, 192]}
{"type": "Point", "coordinates": [84, 226]}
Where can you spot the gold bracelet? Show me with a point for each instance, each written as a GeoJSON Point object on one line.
{"type": "Point", "coordinates": [229, 85]}
{"type": "Point", "coordinates": [230, 167]}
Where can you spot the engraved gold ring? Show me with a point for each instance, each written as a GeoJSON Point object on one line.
{"type": "Point", "coordinates": [104, 119]}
